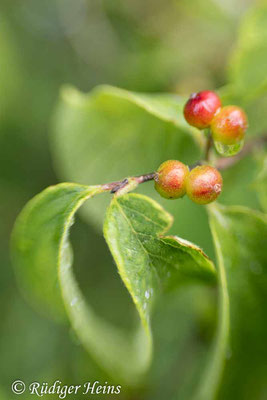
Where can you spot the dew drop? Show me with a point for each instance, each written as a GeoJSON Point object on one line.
{"type": "Point", "coordinates": [73, 301]}
{"type": "Point", "coordinates": [228, 150]}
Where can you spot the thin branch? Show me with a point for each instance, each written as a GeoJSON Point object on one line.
{"type": "Point", "coordinates": [113, 187]}
{"type": "Point", "coordinates": [128, 184]}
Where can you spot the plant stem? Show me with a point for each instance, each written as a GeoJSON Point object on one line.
{"type": "Point", "coordinates": [208, 146]}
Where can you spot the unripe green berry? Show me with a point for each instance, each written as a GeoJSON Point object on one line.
{"type": "Point", "coordinates": [170, 179]}
{"type": "Point", "coordinates": [201, 108]}
{"type": "Point", "coordinates": [229, 125]}
{"type": "Point", "coordinates": [204, 184]}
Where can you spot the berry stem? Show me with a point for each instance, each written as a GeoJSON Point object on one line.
{"type": "Point", "coordinates": [208, 145]}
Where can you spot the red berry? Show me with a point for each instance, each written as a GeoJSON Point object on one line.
{"type": "Point", "coordinates": [204, 184]}
{"type": "Point", "coordinates": [201, 108]}
{"type": "Point", "coordinates": [229, 125]}
{"type": "Point", "coordinates": [170, 179]}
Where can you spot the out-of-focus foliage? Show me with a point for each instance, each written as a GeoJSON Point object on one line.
{"type": "Point", "coordinates": [156, 46]}
{"type": "Point", "coordinates": [249, 63]}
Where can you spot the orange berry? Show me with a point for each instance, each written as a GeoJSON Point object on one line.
{"type": "Point", "coordinates": [229, 125]}
{"type": "Point", "coordinates": [204, 184]}
{"type": "Point", "coordinates": [170, 179]}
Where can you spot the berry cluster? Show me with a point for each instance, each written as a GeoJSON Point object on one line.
{"type": "Point", "coordinates": [202, 184]}
{"type": "Point", "coordinates": [228, 124]}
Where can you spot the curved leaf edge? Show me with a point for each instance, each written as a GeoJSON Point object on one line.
{"type": "Point", "coordinates": [210, 273]}
{"type": "Point", "coordinates": [212, 376]}
{"type": "Point", "coordinates": [107, 344]}
{"type": "Point", "coordinates": [59, 315]}
{"type": "Point", "coordinates": [145, 101]}
{"type": "Point", "coordinates": [169, 219]}
{"type": "Point", "coordinates": [137, 346]}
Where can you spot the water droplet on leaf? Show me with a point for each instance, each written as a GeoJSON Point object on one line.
{"type": "Point", "coordinates": [73, 301]}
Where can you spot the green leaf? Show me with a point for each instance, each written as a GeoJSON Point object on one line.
{"type": "Point", "coordinates": [240, 240]}
{"type": "Point", "coordinates": [249, 61]}
{"type": "Point", "coordinates": [112, 132]}
{"type": "Point", "coordinates": [147, 263]}
{"type": "Point", "coordinates": [37, 241]}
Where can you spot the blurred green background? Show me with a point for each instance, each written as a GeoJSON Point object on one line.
{"type": "Point", "coordinates": [153, 46]}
